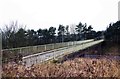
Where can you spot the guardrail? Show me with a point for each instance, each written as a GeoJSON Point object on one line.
{"type": "Point", "coordinates": [10, 54]}
{"type": "Point", "coordinates": [45, 56]}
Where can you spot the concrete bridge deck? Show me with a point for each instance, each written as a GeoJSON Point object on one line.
{"type": "Point", "coordinates": [45, 56]}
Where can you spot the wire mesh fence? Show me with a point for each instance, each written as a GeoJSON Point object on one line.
{"type": "Point", "coordinates": [11, 54]}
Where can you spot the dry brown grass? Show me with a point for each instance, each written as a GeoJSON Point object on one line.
{"type": "Point", "coordinates": [78, 67]}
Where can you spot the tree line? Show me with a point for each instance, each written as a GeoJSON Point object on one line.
{"type": "Point", "coordinates": [112, 33]}
{"type": "Point", "coordinates": [14, 35]}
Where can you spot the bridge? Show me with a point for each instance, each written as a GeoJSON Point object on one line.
{"type": "Point", "coordinates": [57, 53]}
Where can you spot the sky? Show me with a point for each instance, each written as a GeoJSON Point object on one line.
{"type": "Point", "coordinates": [37, 14]}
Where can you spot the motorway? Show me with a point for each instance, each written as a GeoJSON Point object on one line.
{"type": "Point", "coordinates": [45, 56]}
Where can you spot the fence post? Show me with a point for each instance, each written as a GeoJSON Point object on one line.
{"type": "Point", "coordinates": [20, 51]}
{"type": "Point", "coordinates": [68, 44]}
{"type": "Point", "coordinates": [45, 47]}
{"type": "Point", "coordinates": [53, 46]}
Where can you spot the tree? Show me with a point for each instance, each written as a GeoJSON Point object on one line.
{"type": "Point", "coordinates": [31, 37]}
{"type": "Point", "coordinates": [90, 29]}
{"type": "Point", "coordinates": [79, 29]}
{"type": "Point", "coordinates": [73, 33]}
{"type": "Point", "coordinates": [99, 34]}
{"type": "Point", "coordinates": [67, 37]}
{"type": "Point", "coordinates": [45, 36]}
{"type": "Point", "coordinates": [61, 33]}
{"type": "Point", "coordinates": [84, 31]}
{"type": "Point", "coordinates": [20, 38]}
{"type": "Point", "coordinates": [40, 36]}
{"type": "Point", "coordinates": [8, 35]}
{"type": "Point", "coordinates": [52, 34]}
{"type": "Point", "coordinates": [112, 32]}
{"type": "Point", "coordinates": [90, 32]}
{"type": "Point", "coordinates": [67, 30]}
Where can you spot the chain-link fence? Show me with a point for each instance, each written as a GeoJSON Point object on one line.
{"type": "Point", "coordinates": [11, 54]}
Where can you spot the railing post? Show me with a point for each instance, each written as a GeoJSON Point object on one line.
{"type": "Point", "coordinates": [53, 46]}
{"type": "Point", "coordinates": [68, 44]}
{"type": "Point", "coordinates": [20, 51]}
{"type": "Point", "coordinates": [45, 47]}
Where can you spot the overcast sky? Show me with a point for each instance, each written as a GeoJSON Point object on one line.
{"type": "Point", "coordinates": [45, 13]}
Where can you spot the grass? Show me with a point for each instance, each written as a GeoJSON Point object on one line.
{"type": "Point", "coordinates": [78, 67]}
